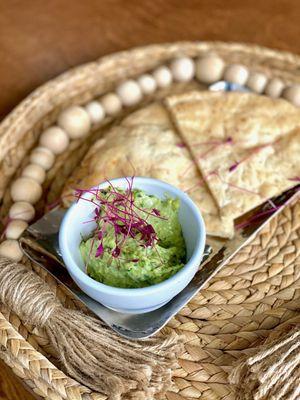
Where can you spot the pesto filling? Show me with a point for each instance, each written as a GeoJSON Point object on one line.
{"type": "Point", "coordinates": [138, 265]}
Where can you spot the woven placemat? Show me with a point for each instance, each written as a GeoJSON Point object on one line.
{"type": "Point", "coordinates": [253, 295]}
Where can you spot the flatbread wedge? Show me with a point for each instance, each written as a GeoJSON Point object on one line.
{"type": "Point", "coordinates": [239, 141]}
{"type": "Point", "coordinates": [154, 114]}
{"type": "Point", "coordinates": [248, 119]}
{"type": "Point", "coordinates": [260, 173]}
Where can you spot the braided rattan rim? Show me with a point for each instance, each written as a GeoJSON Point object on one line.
{"type": "Point", "coordinates": [255, 293]}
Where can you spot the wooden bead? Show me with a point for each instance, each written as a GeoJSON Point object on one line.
{"type": "Point", "coordinates": [22, 210]}
{"type": "Point", "coordinates": [292, 94]}
{"type": "Point", "coordinates": [147, 84]}
{"type": "Point", "coordinates": [129, 92]}
{"type": "Point", "coordinates": [75, 121]}
{"type": "Point", "coordinates": [26, 189]}
{"type": "Point", "coordinates": [274, 88]}
{"type": "Point", "coordinates": [162, 76]}
{"type": "Point", "coordinates": [11, 249]}
{"type": "Point", "coordinates": [35, 172]}
{"type": "Point", "coordinates": [111, 103]}
{"type": "Point", "coordinates": [95, 111]}
{"type": "Point", "coordinates": [209, 69]}
{"type": "Point", "coordinates": [55, 139]}
{"type": "Point", "coordinates": [236, 73]}
{"type": "Point", "coordinates": [15, 229]}
{"type": "Point", "coordinates": [257, 82]}
{"type": "Point", "coordinates": [183, 69]}
{"type": "Point", "coordinates": [42, 157]}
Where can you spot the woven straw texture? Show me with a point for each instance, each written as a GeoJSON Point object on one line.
{"type": "Point", "coordinates": [253, 295]}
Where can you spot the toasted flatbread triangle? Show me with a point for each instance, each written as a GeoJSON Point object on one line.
{"type": "Point", "coordinates": [249, 119]}
{"type": "Point", "coordinates": [154, 114]}
{"type": "Point", "coordinates": [234, 140]}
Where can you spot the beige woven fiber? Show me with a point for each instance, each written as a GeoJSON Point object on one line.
{"type": "Point", "coordinates": [256, 294]}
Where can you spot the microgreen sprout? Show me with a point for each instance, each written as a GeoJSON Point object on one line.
{"type": "Point", "coordinates": [117, 208]}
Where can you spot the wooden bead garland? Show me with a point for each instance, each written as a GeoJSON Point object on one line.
{"type": "Point", "coordinates": [35, 172]}
{"type": "Point", "coordinates": [209, 69]}
{"type": "Point", "coordinates": [183, 69]}
{"type": "Point", "coordinates": [26, 189]}
{"type": "Point", "coordinates": [257, 82]}
{"type": "Point", "coordinates": [147, 84]}
{"type": "Point", "coordinates": [292, 94]}
{"type": "Point", "coordinates": [22, 210]}
{"type": "Point", "coordinates": [236, 73]}
{"type": "Point", "coordinates": [11, 249]}
{"type": "Point", "coordinates": [95, 111]}
{"type": "Point", "coordinates": [75, 122]}
{"type": "Point", "coordinates": [15, 229]}
{"type": "Point", "coordinates": [129, 92]}
{"type": "Point", "coordinates": [274, 88]}
{"type": "Point", "coordinates": [42, 157]}
{"type": "Point", "coordinates": [163, 77]}
{"type": "Point", "coordinates": [111, 104]}
{"type": "Point", "coordinates": [55, 139]}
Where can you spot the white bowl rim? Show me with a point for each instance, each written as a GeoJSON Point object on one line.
{"type": "Point", "coordinates": [101, 287]}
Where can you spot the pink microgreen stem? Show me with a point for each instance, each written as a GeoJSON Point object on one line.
{"type": "Point", "coordinates": [233, 185]}
{"type": "Point", "coordinates": [242, 189]}
{"type": "Point", "coordinates": [194, 187]}
{"type": "Point", "coordinates": [234, 166]}
{"type": "Point", "coordinates": [228, 140]}
{"type": "Point", "coordinates": [191, 165]}
{"type": "Point", "coordinates": [215, 146]}
{"type": "Point", "coordinates": [118, 209]}
{"type": "Point", "coordinates": [257, 216]}
{"type": "Point", "coordinates": [295, 179]}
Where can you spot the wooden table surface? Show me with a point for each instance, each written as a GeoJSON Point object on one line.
{"type": "Point", "coordinates": [40, 39]}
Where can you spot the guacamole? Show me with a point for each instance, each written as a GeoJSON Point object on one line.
{"type": "Point", "coordinates": [130, 261]}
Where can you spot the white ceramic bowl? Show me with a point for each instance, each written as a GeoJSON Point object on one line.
{"type": "Point", "coordinates": [133, 300]}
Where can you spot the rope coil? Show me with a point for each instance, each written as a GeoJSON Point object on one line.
{"type": "Point", "coordinates": [272, 373]}
{"type": "Point", "coordinates": [89, 351]}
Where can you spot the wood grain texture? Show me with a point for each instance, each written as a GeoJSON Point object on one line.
{"type": "Point", "coordinates": [41, 39]}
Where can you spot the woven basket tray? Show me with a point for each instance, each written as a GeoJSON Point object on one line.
{"type": "Point", "coordinates": [256, 293]}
